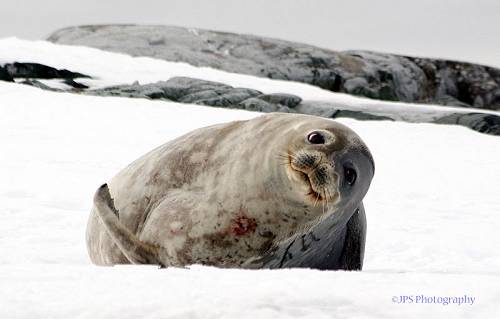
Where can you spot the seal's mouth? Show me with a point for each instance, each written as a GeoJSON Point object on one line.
{"type": "Point", "coordinates": [312, 193]}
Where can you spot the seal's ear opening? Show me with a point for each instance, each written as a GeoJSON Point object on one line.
{"type": "Point", "coordinates": [350, 175]}
{"type": "Point", "coordinates": [132, 248]}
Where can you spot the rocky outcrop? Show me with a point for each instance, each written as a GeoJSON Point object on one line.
{"type": "Point", "coordinates": [196, 91]}
{"type": "Point", "coordinates": [480, 122]}
{"type": "Point", "coordinates": [369, 74]}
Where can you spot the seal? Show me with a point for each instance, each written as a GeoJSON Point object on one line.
{"type": "Point", "coordinates": [279, 190]}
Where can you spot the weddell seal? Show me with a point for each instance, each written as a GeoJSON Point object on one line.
{"type": "Point", "coordinates": [279, 190]}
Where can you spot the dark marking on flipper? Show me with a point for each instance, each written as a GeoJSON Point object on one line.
{"type": "Point", "coordinates": [106, 196]}
{"type": "Point", "coordinates": [286, 254]}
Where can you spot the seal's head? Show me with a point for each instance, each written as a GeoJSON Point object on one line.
{"type": "Point", "coordinates": [327, 164]}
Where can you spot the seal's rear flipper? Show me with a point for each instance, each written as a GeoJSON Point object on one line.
{"type": "Point", "coordinates": [136, 251]}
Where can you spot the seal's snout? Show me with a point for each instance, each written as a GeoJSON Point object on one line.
{"type": "Point", "coordinates": [306, 162]}
{"type": "Point", "coordinates": [316, 174]}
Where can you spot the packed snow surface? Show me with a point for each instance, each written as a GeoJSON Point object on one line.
{"type": "Point", "coordinates": [433, 218]}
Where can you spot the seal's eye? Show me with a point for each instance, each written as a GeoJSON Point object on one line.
{"type": "Point", "coordinates": [350, 175]}
{"type": "Point", "coordinates": [316, 138]}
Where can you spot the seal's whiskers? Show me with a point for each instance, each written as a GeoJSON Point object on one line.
{"type": "Point", "coordinates": [327, 195]}
{"type": "Point", "coordinates": [317, 198]}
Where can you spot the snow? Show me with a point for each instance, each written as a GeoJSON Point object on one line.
{"type": "Point", "coordinates": [432, 209]}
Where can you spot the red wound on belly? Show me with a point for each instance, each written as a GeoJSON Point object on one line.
{"type": "Point", "coordinates": [242, 225]}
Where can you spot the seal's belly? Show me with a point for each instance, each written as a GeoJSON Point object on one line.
{"type": "Point", "coordinates": [194, 233]}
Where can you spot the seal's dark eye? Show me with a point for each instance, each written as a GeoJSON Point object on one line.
{"type": "Point", "coordinates": [316, 138]}
{"type": "Point", "coordinates": [350, 175]}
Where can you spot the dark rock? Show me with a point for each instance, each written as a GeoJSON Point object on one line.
{"type": "Point", "coordinates": [331, 110]}
{"type": "Point", "coordinates": [386, 77]}
{"type": "Point", "coordinates": [5, 76]}
{"type": "Point", "coordinates": [206, 94]}
{"type": "Point", "coordinates": [184, 86]}
{"type": "Point", "coordinates": [196, 91]}
{"type": "Point", "coordinates": [230, 98]}
{"type": "Point", "coordinates": [75, 85]}
{"type": "Point", "coordinates": [288, 100]}
{"type": "Point", "coordinates": [359, 86]}
{"type": "Point", "coordinates": [369, 74]}
{"type": "Point", "coordinates": [471, 84]}
{"type": "Point", "coordinates": [362, 116]}
{"type": "Point", "coordinates": [135, 90]}
{"type": "Point", "coordinates": [449, 101]}
{"type": "Point", "coordinates": [480, 122]}
{"type": "Point", "coordinates": [39, 71]}
{"type": "Point", "coordinates": [259, 105]}
{"type": "Point", "coordinates": [184, 90]}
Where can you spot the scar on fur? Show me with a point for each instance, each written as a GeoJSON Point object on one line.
{"type": "Point", "coordinates": [243, 224]}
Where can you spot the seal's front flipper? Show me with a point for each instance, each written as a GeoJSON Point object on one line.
{"type": "Point", "coordinates": [136, 251]}
{"type": "Point", "coordinates": [354, 244]}
{"type": "Point", "coordinates": [329, 246]}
